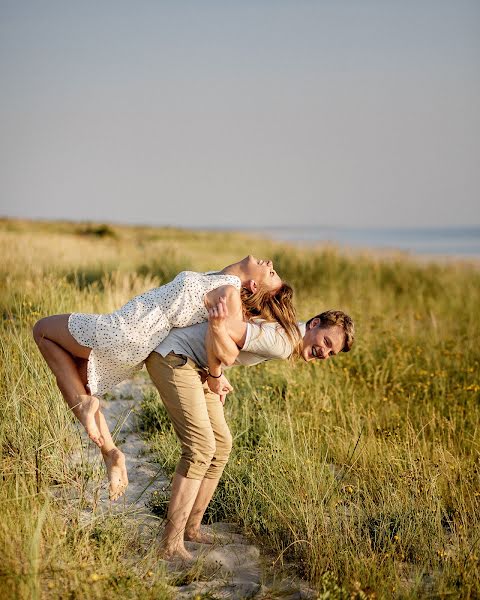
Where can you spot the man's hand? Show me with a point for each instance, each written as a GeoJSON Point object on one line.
{"type": "Point", "coordinates": [218, 314]}
{"type": "Point", "coordinates": [220, 386]}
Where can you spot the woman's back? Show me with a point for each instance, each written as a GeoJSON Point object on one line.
{"type": "Point", "coordinates": [124, 338]}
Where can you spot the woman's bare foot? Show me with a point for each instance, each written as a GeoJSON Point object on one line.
{"type": "Point", "coordinates": [85, 412]}
{"type": "Point", "coordinates": [196, 535]}
{"type": "Point", "coordinates": [117, 472]}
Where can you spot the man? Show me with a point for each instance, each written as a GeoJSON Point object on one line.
{"type": "Point", "coordinates": [178, 368]}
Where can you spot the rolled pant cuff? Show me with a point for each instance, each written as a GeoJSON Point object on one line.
{"type": "Point", "coordinates": [214, 473]}
{"type": "Point", "coordinates": [190, 471]}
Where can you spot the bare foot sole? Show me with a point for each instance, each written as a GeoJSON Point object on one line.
{"type": "Point", "coordinates": [200, 536]}
{"type": "Point", "coordinates": [117, 472]}
{"type": "Point", "coordinates": [85, 412]}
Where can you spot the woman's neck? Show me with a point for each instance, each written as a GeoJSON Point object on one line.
{"type": "Point", "coordinates": [236, 269]}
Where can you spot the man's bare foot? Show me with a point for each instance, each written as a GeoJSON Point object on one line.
{"type": "Point", "coordinates": [117, 472]}
{"type": "Point", "coordinates": [176, 552]}
{"type": "Point", "coordinates": [202, 537]}
{"type": "Point", "coordinates": [85, 412]}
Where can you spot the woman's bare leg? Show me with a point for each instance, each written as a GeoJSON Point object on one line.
{"type": "Point", "coordinates": [68, 361]}
{"type": "Point", "coordinates": [113, 457]}
{"type": "Point", "coordinates": [60, 349]}
{"type": "Point", "coordinates": [114, 461]}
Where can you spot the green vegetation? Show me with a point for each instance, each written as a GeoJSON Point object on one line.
{"type": "Point", "coordinates": [363, 471]}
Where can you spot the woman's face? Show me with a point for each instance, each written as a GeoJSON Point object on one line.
{"type": "Point", "coordinates": [261, 271]}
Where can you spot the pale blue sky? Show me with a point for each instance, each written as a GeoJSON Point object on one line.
{"type": "Point", "coordinates": [248, 112]}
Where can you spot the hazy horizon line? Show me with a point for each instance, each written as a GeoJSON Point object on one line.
{"type": "Point", "coordinates": [245, 227]}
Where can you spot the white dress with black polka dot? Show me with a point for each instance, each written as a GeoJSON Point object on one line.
{"type": "Point", "coordinates": [122, 340]}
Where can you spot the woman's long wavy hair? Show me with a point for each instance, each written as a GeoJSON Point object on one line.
{"type": "Point", "coordinates": [278, 307]}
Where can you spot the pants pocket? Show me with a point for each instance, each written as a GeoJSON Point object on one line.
{"type": "Point", "coordinates": [176, 360]}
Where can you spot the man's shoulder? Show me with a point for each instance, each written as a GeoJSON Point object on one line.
{"type": "Point", "coordinates": [268, 328]}
{"type": "Point", "coordinates": [267, 339]}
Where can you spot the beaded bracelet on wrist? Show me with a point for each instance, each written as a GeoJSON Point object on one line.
{"type": "Point", "coordinates": [215, 376]}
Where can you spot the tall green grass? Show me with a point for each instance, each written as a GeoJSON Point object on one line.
{"type": "Point", "coordinates": [47, 549]}
{"type": "Point", "coordinates": [363, 471]}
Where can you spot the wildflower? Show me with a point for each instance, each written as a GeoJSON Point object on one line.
{"type": "Point", "coordinates": [94, 577]}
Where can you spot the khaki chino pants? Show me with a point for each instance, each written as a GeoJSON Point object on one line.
{"type": "Point", "coordinates": [196, 413]}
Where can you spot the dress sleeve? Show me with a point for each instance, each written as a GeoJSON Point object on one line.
{"type": "Point", "coordinates": [267, 340]}
{"type": "Point", "coordinates": [234, 280]}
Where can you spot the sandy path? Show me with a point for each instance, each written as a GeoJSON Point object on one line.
{"type": "Point", "coordinates": [231, 568]}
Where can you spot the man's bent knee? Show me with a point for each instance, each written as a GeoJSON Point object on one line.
{"type": "Point", "coordinates": [222, 454]}
{"type": "Point", "coordinates": [195, 461]}
{"type": "Point", "coordinates": [224, 444]}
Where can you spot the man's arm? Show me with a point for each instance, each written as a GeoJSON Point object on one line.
{"type": "Point", "coordinates": [226, 327]}
{"type": "Point", "coordinates": [221, 347]}
{"type": "Point", "coordinates": [232, 297]}
{"type": "Point", "coordinates": [224, 338]}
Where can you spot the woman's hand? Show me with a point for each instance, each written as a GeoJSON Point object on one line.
{"type": "Point", "coordinates": [220, 386]}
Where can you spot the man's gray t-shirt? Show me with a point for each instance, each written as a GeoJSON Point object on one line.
{"type": "Point", "coordinates": [264, 341]}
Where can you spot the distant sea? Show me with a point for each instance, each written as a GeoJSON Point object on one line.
{"type": "Point", "coordinates": [461, 242]}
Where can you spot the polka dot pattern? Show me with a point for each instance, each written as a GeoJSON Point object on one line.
{"type": "Point", "coordinates": [122, 340]}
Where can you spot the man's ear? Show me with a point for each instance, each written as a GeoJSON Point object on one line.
{"type": "Point", "coordinates": [252, 286]}
{"type": "Point", "coordinates": [313, 323]}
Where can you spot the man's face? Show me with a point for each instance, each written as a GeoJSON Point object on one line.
{"type": "Point", "coordinates": [321, 342]}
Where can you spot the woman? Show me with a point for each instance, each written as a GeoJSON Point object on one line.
{"type": "Point", "coordinates": [98, 351]}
